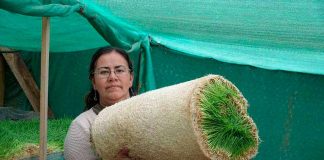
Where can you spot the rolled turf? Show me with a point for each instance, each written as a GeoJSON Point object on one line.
{"type": "Point", "coordinates": [204, 118]}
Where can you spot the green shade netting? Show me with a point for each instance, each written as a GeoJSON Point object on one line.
{"type": "Point", "coordinates": [278, 35]}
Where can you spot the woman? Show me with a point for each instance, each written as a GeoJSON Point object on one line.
{"type": "Point", "coordinates": [111, 74]}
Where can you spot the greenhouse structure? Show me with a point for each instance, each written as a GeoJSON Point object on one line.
{"type": "Point", "coordinates": [272, 51]}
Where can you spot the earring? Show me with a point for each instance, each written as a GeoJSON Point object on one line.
{"type": "Point", "coordinates": [95, 96]}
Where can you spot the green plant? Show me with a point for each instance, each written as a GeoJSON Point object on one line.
{"type": "Point", "coordinates": [21, 138]}
{"type": "Point", "coordinates": [224, 121]}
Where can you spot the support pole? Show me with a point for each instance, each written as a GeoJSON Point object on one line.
{"type": "Point", "coordinates": [44, 87]}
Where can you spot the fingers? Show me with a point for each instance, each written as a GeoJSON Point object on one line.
{"type": "Point", "coordinates": [123, 154]}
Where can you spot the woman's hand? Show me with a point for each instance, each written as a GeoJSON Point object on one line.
{"type": "Point", "coordinates": [123, 154]}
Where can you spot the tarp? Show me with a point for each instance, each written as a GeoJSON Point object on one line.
{"type": "Point", "coordinates": [279, 35]}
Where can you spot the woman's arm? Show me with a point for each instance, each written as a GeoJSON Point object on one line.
{"type": "Point", "coordinates": [77, 144]}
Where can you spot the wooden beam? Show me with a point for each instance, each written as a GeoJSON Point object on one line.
{"type": "Point", "coordinates": [2, 80]}
{"type": "Point", "coordinates": [24, 78]}
{"type": "Point", "coordinates": [44, 87]}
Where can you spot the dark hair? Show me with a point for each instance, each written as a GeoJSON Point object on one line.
{"type": "Point", "coordinates": [90, 101]}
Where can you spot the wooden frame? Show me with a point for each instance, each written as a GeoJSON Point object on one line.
{"type": "Point", "coordinates": [24, 78]}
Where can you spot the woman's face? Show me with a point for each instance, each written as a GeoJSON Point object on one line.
{"type": "Point", "coordinates": [112, 78]}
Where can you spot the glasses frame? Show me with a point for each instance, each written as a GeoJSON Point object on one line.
{"type": "Point", "coordinates": [102, 76]}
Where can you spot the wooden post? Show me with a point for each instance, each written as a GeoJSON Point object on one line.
{"type": "Point", "coordinates": [44, 87]}
{"type": "Point", "coordinates": [2, 81]}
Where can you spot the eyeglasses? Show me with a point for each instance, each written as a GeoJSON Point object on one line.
{"type": "Point", "coordinates": [104, 72]}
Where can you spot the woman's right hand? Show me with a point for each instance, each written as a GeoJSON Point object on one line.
{"type": "Point", "coordinates": [123, 154]}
